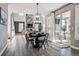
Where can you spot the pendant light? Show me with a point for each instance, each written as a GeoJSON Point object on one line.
{"type": "Point", "coordinates": [37, 15]}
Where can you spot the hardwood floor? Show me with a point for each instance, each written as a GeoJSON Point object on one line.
{"type": "Point", "coordinates": [17, 47]}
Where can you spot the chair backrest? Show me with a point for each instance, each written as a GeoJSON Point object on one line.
{"type": "Point", "coordinates": [41, 38]}
{"type": "Point", "coordinates": [41, 41]}
{"type": "Point", "coordinates": [47, 35]}
{"type": "Point", "coordinates": [26, 36]}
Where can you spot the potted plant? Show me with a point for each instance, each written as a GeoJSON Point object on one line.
{"type": "Point", "coordinates": [64, 31]}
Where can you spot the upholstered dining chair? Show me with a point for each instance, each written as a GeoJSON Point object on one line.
{"type": "Point", "coordinates": [46, 38]}
{"type": "Point", "coordinates": [42, 42]}
{"type": "Point", "coordinates": [29, 40]}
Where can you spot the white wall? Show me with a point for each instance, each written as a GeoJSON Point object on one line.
{"type": "Point", "coordinates": [43, 22]}
{"type": "Point", "coordinates": [50, 26]}
{"type": "Point", "coordinates": [53, 25]}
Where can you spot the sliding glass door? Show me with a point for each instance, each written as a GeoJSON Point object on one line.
{"type": "Point", "coordinates": [66, 26]}
{"type": "Point", "coordinates": [58, 24]}
{"type": "Point", "coordinates": [62, 28]}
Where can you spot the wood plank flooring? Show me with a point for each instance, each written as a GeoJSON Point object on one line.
{"type": "Point", "coordinates": [17, 47]}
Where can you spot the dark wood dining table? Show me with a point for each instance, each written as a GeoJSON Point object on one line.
{"type": "Point", "coordinates": [37, 35]}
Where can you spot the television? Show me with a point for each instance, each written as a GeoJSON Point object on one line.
{"type": "Point", "coordinates": [29, 25]}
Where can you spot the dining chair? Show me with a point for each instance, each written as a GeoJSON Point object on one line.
{"type": "Point", "coordinates": [29, 40]}
{"type": "Point", "coordinates": [46, 38]}
{"type": "Point", "coordinates": [42, 42]}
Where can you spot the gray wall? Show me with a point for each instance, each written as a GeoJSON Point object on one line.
{"type": "Point", "coordinates": [3, 29]}
{"type": "Point", "coordinates": [72, 8]}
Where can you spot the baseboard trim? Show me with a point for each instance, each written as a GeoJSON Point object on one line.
{"type": "Point", "coordinates": [3, 49]}
{"type": "Point", "coordinates": [74, 47]}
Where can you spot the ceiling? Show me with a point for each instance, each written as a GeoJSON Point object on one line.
{"type": "Point", "coordinates": [30, 8]}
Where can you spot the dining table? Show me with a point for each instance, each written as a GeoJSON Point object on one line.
{"type": "Point", "coordinates": [37, 35]}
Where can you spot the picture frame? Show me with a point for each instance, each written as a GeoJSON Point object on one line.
{"type": "Point", "coordinates": [29, 20]}
{"type": "Point", "coordinates": [3, 17]}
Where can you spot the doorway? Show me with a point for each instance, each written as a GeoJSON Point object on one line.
{"type": "Point", "coordinates": [19, 27]}
{"type": "Point", "coordinates": [63, 29]}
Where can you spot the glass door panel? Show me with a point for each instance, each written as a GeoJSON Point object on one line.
{"type": "Point", "coordinates": [66, 26]}
{"type": "Point", "coordinates": [62, 29]}
{"type": "Point", "coordinates": [58, 28]}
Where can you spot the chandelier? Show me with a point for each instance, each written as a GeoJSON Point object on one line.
{"type": "Point", "coordinates": [37, 15]}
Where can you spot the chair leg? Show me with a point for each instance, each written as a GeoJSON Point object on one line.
{"type": "Point", "coordinates": [27, 44]}
{"type": "Point", "coordinates": [47, 42]}
{"type": "Point", "coordinates": [32, 43]}
{"type": "Point", "coordinates": [44, 45]}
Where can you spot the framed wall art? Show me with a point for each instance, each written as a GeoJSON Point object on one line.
{"type": "Point", "coordinates": [3, 17]}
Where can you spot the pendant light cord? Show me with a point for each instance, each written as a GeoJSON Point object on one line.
{"type": "Point", "coordinates": [37, 7]}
